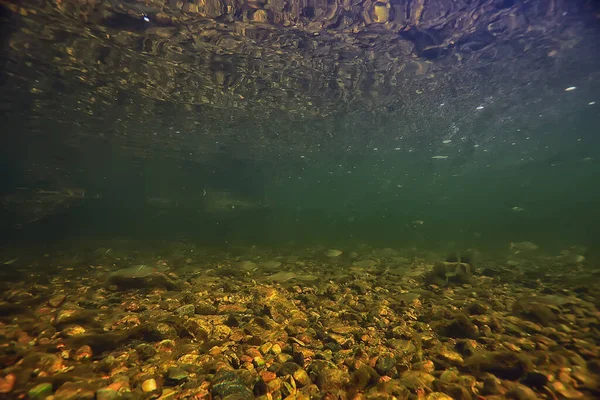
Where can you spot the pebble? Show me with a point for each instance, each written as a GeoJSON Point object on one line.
{"type": "Point", "coordinates": [149, 385]}
{"type": "Point", "coordinates": [185, 310]}
{"type": "Point", "coordinates": [73, 391]}
{"type": "Point", "coordinates": [41, 391]}
{"type": "Point", "coordinates": [385, 363]}
{"type": "Point", "coordinates": [301, 377]}
{"type": "Point", "coordinates": [309, 338]}
{"type": "Point", "coordinates": [176, 375]}
{"type": "Point", "coordinates": [332, 379]}
{"type": "Point", "coordinates": [56, 300]}
{"type": "Point", "coordinates": [106, 394]}
{"type": "Point", "coordinates": [7, 383]}
{"type": "Point", "coordinates": [566, 391]}
{"type": "Point", "coordinates": [169, 394]}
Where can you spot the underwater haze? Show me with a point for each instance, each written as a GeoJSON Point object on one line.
{"type": "Point", "coordinates": [300, 199]}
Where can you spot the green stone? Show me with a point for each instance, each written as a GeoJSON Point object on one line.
{"type": "Point", "coordinates": [106, 394]}
{"type": "Point", "coordinates": [40, 391]}
{"type": "Point", "coordinates": [176, 374]}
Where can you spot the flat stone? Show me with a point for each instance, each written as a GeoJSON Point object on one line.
{"type": "Point", "coordinates": [56, 300]}
{"type": "Point", "coordinates": [176, 375]}
{"type": "Point", "coordinates": [74, 391]}
{"type": "Point", "coordinates": [141, 277]}
{"type": "Point", "coordinates": [40, 391]}
{"type": "Point", "coordinates": [187, 309]}
{"type": "Point", "coordinates": [106, 394]}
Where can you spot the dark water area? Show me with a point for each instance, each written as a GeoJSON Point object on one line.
{"type": "Point", "coordinates": [390, 197]}
{"type": "Point", "coordinates": [299, 200]}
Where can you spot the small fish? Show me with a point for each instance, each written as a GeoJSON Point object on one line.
{"type": "Point", "coordinates": [517, 209]}
{"type": "Point", "coordinates": [333, 253]}
{"type": "Point", "coordinates": [11, 261]}
{"type": "Point", "coordinates": [574, 258]}
{"type": "Point", "coordinates": [523, 246]}
{"type": "Point", "coordinates": [418, 222]}
{"type": "Point", "coordinates": [439, 157]}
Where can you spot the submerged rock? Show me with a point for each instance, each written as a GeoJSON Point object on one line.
{"type": "Point", "coordinates": [530, 308]}
{"type": "Point", "coordinates": [459, 327]}
{"type": "Point", "coordinates": [331, 380]}
{"type": "Point", "coordinates": [141, 277]}
{"type": "Point", "coordinates": [74, 391]}
{"type": "Point", "coordinates": [503, 364]}
{"type": "Point", "coordinates": [231, 385]}
{"type": "Point", "coordinates": [176, 375]}
{"type": "Point", "coordinates": [363, 378]}
{"type": "Point", "coordinates": [40, 391]}
{"type": "Point", "coordinates": [56, 300]}
{"type": "Point", "coordinates": [450, 273]}
{"type": "Point", "coordinates": [385, 364]}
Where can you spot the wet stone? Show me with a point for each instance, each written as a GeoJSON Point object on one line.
{"type": "Point", "coordinates": [145, 351]}
{"type": "Point", "coordinates": [187, 309]}
{"type": "Point", "coordinates": [176, 375]}
{"type": "Point", "coordinates": [540, 313]}
{"type": "Point", "coordinates": [162, 331]}
{"type": "Point", "coordinates": [460, 327]}
{"type": "Point", "coordinates": [405, 346]}
{"type": "Point", "coordinates": [40, 392]}
{"type": "Point", "coordinates": [566, 391]}
{"type": "Point", "coordinates": [288, 368]}
{"type": "Point", "coordinates": [415, 380]}
{"type": "Point", "coordinates": [106, 394]}
{"type": "Point", "coordinates": [74, 391]}
{"type": "Point", "coordinates": [141, 277]}
{"type": "Point", "coordinates": [229, 383]}
{"type": "Point", "coordinates": [363, 378]}
{"type": "Point", "coordinates": [385, 364]}
{"type": "Point", "coordinates": [203, 307]}
{"type": "Point", "coordinates": [149, 385]}
{"type": "Point", "coordinates": [503, 364]}
{"type": "Point", "coordinates": [455, 391]}
{"type": "Point", "coordinates": [332, 380]}
{"type": "Point", "coordinates": [169, 394]}
{"type": "Point", "coordinates": [301, 377]}
{"type": "Point", "coordinates": [477, 308]}
{"type": "Point", "coordinates": [56, 300]}
{"type": "Point", "coordinates": [395, 388]}
{"type": "Point", "coordinates": [71, 315]}
{"type": "Point", "coordinates": [449, 274]}
{"type": "Point", "coordinates": [521, 392]}
{"type": "Point", "coordinates": [535, 380]}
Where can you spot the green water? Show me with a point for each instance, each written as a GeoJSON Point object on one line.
{"type": "Point", "coordinates": [476, 153]}
{"type": "Point", "coordinates": [343, 197]}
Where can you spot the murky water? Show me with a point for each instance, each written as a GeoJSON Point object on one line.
{"type": "Point", "coordinates": [234, 200]}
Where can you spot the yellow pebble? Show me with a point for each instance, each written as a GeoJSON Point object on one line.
{"type": "Point", "coordinates": [149, 385]}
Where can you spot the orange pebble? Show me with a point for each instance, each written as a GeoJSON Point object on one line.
{"type": "Point", "coordinates": [7, 383]}
{"type": "Point", "coordinates": [268, 376]}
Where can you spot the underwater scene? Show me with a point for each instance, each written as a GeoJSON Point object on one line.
{"type": "Point", "coordinates": [300, 199]}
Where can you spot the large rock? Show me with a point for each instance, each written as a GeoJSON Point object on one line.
{"type": "Point", "coordinates": [141, 277]}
